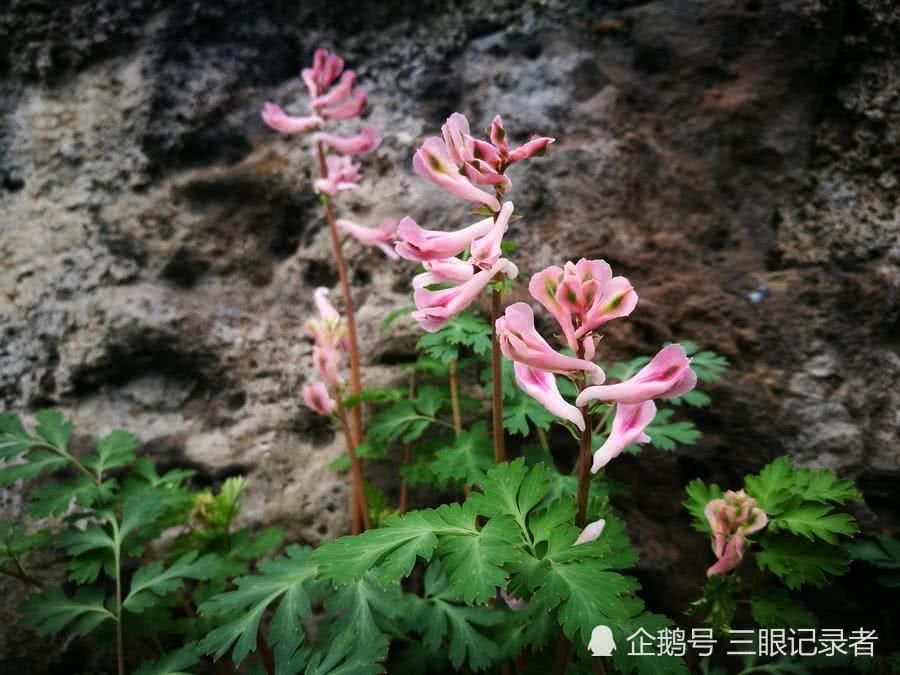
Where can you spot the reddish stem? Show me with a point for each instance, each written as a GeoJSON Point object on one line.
{"type": "Point", "coordinates": [359, 506]}
{"type": "Point", "coordinates": [355, 384]}
{"type": "Point", "coordinates": [497, 380]}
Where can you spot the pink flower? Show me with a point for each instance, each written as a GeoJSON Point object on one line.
{"type": "Point", "coordinates": [365, 141]}
{"type": "Point", "coordinates": [541, 386]}
{"type": "Point", "coordinates": [381, 236]}
{"type": "Point", "coordinates": [485, 250]}
{"type": "Point", "coordinates": [732, 518]}
{"type": "Point", "coordinates": [581, 297]}
{"type": "Point", "coordinates": [328, 331]}
{"type": "Point", "coordinates": [520, 342]}
{"type": "Point", "coordinates": [350, 107]}
{"type": "Point", "coordinates": [280, 121]}
{"type": "Point", "coordinates": [731, 557]}
{"type": "Point", "coordinates": [317, 398]}
{"type": "Point", "coordinates": [326, 361]}
{"type": "Point", "coordinates": [436, 308]}
{"type": "Point", "coordinates": [536, 146]}
{"type": "Point", "coordinates": [447, 270]}
{"type": "Point", "coordinates": [457, 141]}
{"type": "Point", "coordinates": [591, 532]}
{"type": "Point", "coordinates": [627, 428]}
{"type": "Point", "coordinates": [420, 245]}
{"type": "Point", "coordinates": [433, 163]}
{"type": "Point", "coordinates": [668, 375]}
{"type": "Point", "coordinates": [343, 174]}
{"type": "Point", "coordinates": [326, 67]}
{"type": "Point", "coordinates": [337, 93]}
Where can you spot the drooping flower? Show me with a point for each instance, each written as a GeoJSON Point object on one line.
{"type": "Point", "coordinates": [541, 386]}
{"type": "Point", "coordinates": [443, 270]}
{"type": "Point", "coordinates": [326, 362]}
{"type": "Point", "coordinates": [365, 141]}
{"type": "Point", "coordinates": [326, 68]}
{"type": "Point", "coordinates": [280, 121]}
{"type": "Point", "coordinates": [668, 375]}
{"type": "Point", "coordinates": [591, 532]}
{"type": "Point", "coordinates": [418, 244]}
{"type": "Point", "coordinates": [436, 308]}
{"type": "Point", "coordinates": [536, 146]}
{"type": "Point", "coordinates": [627, 428]}
{"type": "Point", "coordinates": [382, 236]}
{"type": "Point", "coordinates": [432, 162]}
{"type": "Point", "coordinates": [582, 297]}
{"type": "Point", "coordinates": [352, 106]}
{"type": "Point", "coordinates": [343, 174]}
{"type": "Point", "coordinates": [328, 331]}
{"type": "Point", "coordinates": [486, 250]}
{"type": "Point", "coordinates": [732, 518]}
{"type": "Point", "coordinates": [317, 398]}
{"type": "Point", "coordinates": [520, 342]}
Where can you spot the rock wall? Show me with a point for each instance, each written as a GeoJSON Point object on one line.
{"type": "Point", "coordinates": [736, 159]}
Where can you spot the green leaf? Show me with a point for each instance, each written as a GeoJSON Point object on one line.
{"type": "Point", "coordinates": [772, 487]}
{"type": "Point", "coordinates": [695, 399]}
{"type": "Point", "coordinates": [797, 562]}
{"type": "Point", "coordinates": [114, 450]}
{"type": "Point", "coordinates": [16, 541]}
{"type": "Point", "coordinates": [56, 498]}
{"type": "Point", "coordinates": [173, 663]}
{"type": "Point", "coordinates": [396, 314]}
{"type": "Point", "coordinates": [151, 582]}
{"type": "Point", "coordinates": [708, 365]}
{"type": "Point", "coordinates": [363, 451]}
{"type": "Point", "coordinates": [401, 421]}
{"type": "Point", "coordinates": [53, 428]}
{"type": "Point", "coordinates": [463, 330]}
{"type": "Point", "coordinates": [35, 463]}
{"type": "Point", "coordinates": [666, 435]}
{"type": "Point", "coordinates": [286, 579]}
{"type": "Point", "coordinates": [814, 520]}
{"type": "Point", "coordinates": [467, 459]}
{"type": "Point", "coordinates": [349, 654]}
{"type": "Point", "coordinates": [439, 616]}
{"type": "Point", "coordinates": [93, 538]}
{"type": "Point", "coordinates": [775, 608]}
{"type": "Point", "coordinates": [430, 399]}
{"type": "Point", "coordinates": [13, 438]}
{"type": "Point", "coordinates": [821, 485]}
{"type": "Point", "coordinates": [512, 489]}
{"type": "Point", "coordinates": [699, 494]}
{"type": "Point", "coordinates": [140, 510]}
{"type": "Point", "coordinates": [374, 396]}
{"type": "Point", "coordinates": [622, 370]}
{"type": "Point", "coordinates": [395, 546]}
{"type": "Point", "coordinates": [50, 611]}
{"type": "Point", "coordinates": [474, 562]}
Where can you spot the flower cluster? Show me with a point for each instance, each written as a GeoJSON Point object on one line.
{"type": "Point", "coordinates": [732, 518]}
{"type": "Point", "coordinates": [329, 335]}
{"type": "Point", "coordinates": [462, 164]}
{"type": "Point", "coordinates": [334, 96]}
{"type": "Point", "coordinates": [582, 297]}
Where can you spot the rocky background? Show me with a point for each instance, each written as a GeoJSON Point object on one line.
{"type": "Point", "coordinates": [738, 160]}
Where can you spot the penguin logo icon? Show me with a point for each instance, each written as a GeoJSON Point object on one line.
{"type": "Point", "coordinates": [602, 643]}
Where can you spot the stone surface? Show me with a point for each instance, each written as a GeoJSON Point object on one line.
{"type": "Point", "coordinates": [736, 159]}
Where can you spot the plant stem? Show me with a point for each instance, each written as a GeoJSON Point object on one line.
{"type": "Point", "coordinates": [497, 379]}
{"type": "Point", "coordinates": [117, 560]}
{"type": "Point", "coordinates": [584, 470]}
{"type": "Point", "coordinates": [353, 343]}
{"type": "Point", "coordinates": [18, 573]}
{"type": "Point", "coordinates": [454, 406]}
{"type": "Point", "coordinates": [407, 452]}
{"type": "Point", "coordinates": [265, 655]}
{"type": "Point", "coordinates": [359, 506]}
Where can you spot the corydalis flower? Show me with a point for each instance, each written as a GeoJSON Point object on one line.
{"type": "Point", "coordinates": [317, 398]}
{"type": "Point", "coordinates": [520, 342]}
{"type": "Point", "coordinates": [418, 244]}
{"type": "Point", "coordinates": [343, 174]}
{"type": "Point", "coordinates": [435, 308]}
{"type": "Point", "coordinates": [668, 375]}
{"type": "Point", "coordinates": [627, 428]}
{"type": "Point", "coordinates": [535, 147]}
{"type": "Point", "coordinates": [732, 519]}
{"type": "Point", "coordinates": [280, 121]}
{"type": "Point", "coordinates": [328, 330]}
{"type": "Point", "coordinates": [382, 236]}
{"type": "Point", "coordinates": [541, 386]}
{"type": "Point", "coordinates": [591, 532]}
{"type": "Point", "coordinates": [582, 297]}
{"type": "Point", "coordinates": [365, 141]}
{"type": "Point", "coordinates": [433, 163]}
